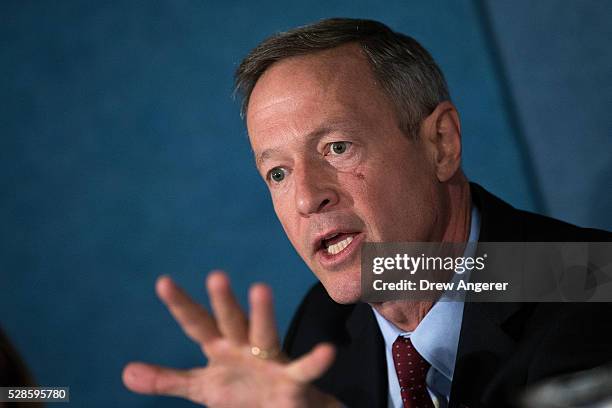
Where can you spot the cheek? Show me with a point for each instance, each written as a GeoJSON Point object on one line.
{"type": "Point", "coordinates": [359, 174]}
{"type": "Point", "coordinates": [285, 212]}
{"type": "Point", "coordinates": [396, 205]}
{"type": "Point", "coordinates": [282, 210]}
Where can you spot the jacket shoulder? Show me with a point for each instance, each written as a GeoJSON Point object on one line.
{"type": "Point", "coordinates": [543, 228]}
{"type": "Point", "coordinates": [501, 222]}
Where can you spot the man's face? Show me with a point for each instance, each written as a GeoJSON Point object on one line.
{"type": "Point", "coordinates": [339, 169]}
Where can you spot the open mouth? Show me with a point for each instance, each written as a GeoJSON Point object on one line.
{"type": "Point", "coordinates": [337, 242]}
{"type": "Point", "coordinates": [335, 249]}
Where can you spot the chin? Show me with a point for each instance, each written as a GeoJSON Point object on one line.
{"type": "Point", "coordinates": [343, 291]}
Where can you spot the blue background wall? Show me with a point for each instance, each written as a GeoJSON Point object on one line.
{"type": "Point", "coordinates": [123, 157]}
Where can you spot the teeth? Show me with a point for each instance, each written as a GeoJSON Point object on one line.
{"type": "Point", "coordinates": [336, 248]}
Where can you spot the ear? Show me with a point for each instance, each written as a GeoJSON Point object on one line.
{"type": "Point", "coordinates": [441, 132]}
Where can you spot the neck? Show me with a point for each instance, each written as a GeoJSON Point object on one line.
{"type": "Point", "coordinates": [407, 315]}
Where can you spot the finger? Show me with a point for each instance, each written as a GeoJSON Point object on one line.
{"type": "Point", "coordinates": [195, 321]}
{"type": "Point", "coordinates": [312, 365]}
{"type": "Point", "coordinates": [229, 315]}
{"type": "Point", "coordinates": [151, 379]}
{"type": "Point", "coordinates": [262, 327]}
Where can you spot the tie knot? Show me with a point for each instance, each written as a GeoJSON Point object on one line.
{"type": "Point", "coordinates": [411, 369]}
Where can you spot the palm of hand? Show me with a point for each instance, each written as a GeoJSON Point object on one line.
{"type": "Point", "coordinates": [234, 376]}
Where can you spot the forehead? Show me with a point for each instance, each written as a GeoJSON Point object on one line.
{"type": "Point", "coordinates": [339, 67]}
{"type": "Point", "coordinates": [297, 95]}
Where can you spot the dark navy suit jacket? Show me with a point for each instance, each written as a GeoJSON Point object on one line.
{"type": "Point", "coordinates": [502, 346]}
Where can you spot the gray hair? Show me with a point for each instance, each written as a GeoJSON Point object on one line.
{"type": "Point", "coordinates": [406, 71]}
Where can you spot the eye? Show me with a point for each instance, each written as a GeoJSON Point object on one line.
{"type": "Point", "coordinates": [338, 148]}
{"type": "Point", "coordinates": [276, 175]}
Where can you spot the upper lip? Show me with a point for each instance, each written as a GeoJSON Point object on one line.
{"type": "Point", "coordinates": [318, 241]}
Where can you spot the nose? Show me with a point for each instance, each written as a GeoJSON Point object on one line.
{"type": "Point", "coordinates": [314, 191]}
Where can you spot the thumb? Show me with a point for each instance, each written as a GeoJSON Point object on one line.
{"type": "Point", "coordinates": [152, 379]}
{"type": "Point", "coordinates": [312, 365]}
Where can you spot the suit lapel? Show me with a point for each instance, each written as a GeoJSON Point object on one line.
{"type": "Point", "coordinates": [360, 371]}
{"type": "Point", "coordinates": [483, 347]}
{"type": "Point", "coordinates": [362, 325]}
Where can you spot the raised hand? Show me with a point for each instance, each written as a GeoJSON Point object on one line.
{"type": "Point", "coordinates": [245, 367]}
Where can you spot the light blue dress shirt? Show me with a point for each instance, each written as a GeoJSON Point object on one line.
{"type": "Point", "coordinates": [436, 338]}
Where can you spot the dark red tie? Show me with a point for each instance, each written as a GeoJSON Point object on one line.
{"type": "Point", "coordinates": [411, 370]}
